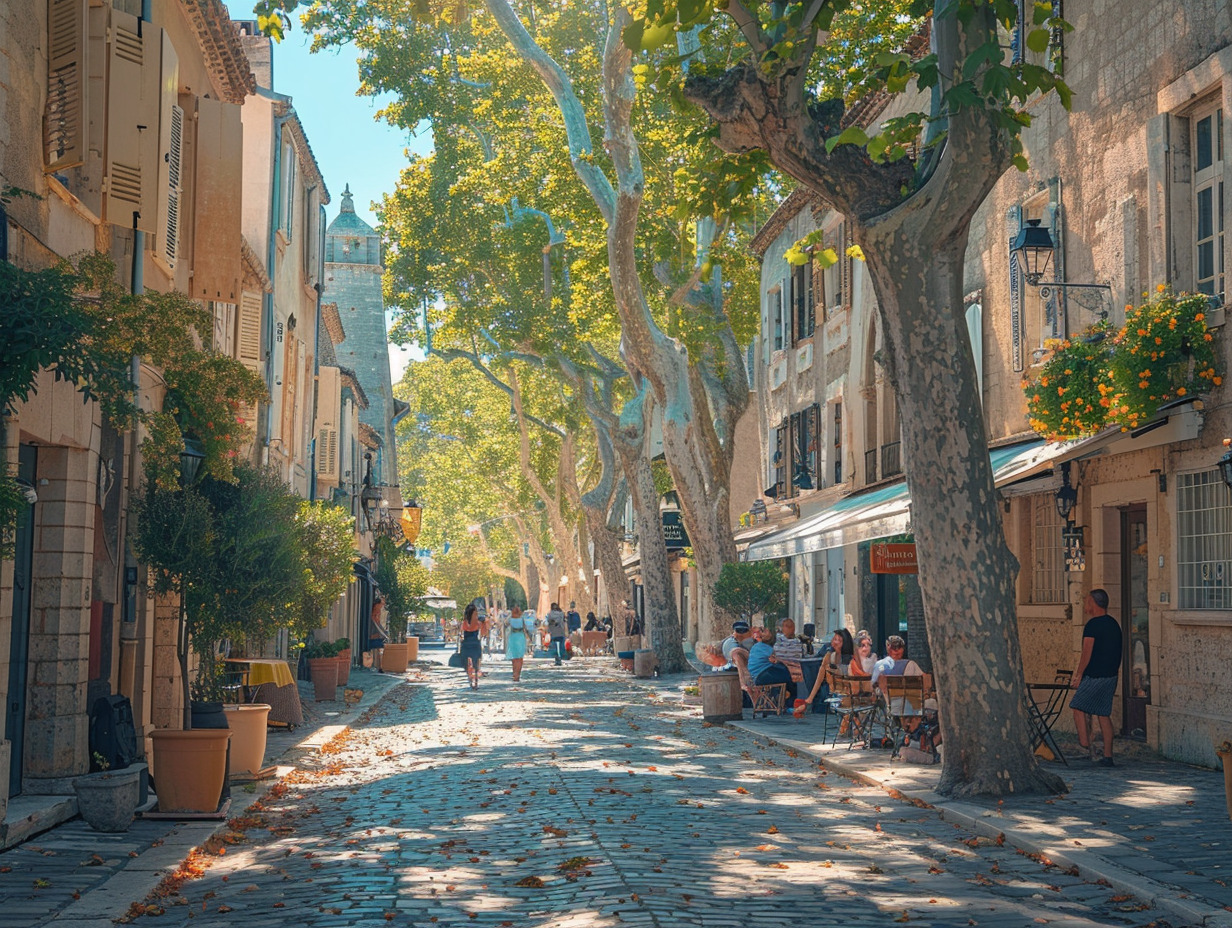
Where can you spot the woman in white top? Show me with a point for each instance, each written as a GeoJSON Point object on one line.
{"type": "Point", "coordinates": [517, 640]}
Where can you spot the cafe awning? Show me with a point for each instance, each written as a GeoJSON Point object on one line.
{"type": "Point", "coordinates": [886, 510]}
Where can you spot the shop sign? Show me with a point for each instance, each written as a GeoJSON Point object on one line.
{"type": "Point", "coordinates": [894, 558]}
{"type": "Point", "coordinates": [674, 535]}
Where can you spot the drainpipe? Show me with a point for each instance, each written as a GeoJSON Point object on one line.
{"type": "Point", "coordinates": [319, 286]}
{"type": "Point", "coordinates": [267, 301]}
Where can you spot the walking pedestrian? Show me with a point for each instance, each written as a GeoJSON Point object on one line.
{"type": "Point", "coordinates": [558, 628]}
{"type": "Point", "coordinates": [517, 640]}
{"type": "Point", "coordinates": [474, 628]}
{"type": "Point", "coordinates": [1095, 680]}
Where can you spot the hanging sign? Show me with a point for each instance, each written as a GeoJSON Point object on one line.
{"type": "Point", "coordinates": [1071, 541]}
{"type": "Point", "coordinates": [674, 534]}
{"type": "Point", "coordinates": [894, 558]}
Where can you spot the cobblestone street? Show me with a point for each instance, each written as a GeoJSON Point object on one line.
{"type": "Point", "coordinates": [577, 799]}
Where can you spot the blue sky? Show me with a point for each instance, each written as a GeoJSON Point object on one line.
{"type": "Point", "coordinates": [351, 146]}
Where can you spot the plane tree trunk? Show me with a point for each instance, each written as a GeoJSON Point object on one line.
{"type": "Point", "coordinates": [915, 248]}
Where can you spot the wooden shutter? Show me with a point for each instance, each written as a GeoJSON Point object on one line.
{"type": "Point", "coordinates": [64, 124]}
{"type": "Point", "coordinates": [217, 221]}
{"type": "Point", "coordinates": [133, 104]}
{"type": "Point", "coordinates": [329, 405]}
{"type": "Point", "coordinates": [290, 384]}
{"type": "Point", "coordinates": [248, 344]}
{"type": "Point", "coordinates": [847, 263]}
{"type": "Point", "coordinates": [170, 164]}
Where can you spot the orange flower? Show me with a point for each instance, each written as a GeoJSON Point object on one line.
{"type": "Point", "coordinates": [1160, 288]}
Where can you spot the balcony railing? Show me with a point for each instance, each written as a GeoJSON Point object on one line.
{"type": "Point", "coordinates": [891, 459]}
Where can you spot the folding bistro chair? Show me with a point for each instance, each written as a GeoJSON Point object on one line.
{"type": "Point", "coordinates": [856, 711]}
{"type": "Point", "coordinates": [1044, 714]}
{"type": "Point", "coordinates": [902, 707]}
{"type": "Point", "coordinates": [766, 699]}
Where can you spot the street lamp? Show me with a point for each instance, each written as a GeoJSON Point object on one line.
{"type": "Point", "coordinates": [1066, 495]}
{"type": "Point", "coordinates": [411, 521]}
{"type": "Point", "coordinates": [190, 460]}
{"type": "Point", "coordinates": [1225, 463]}
{"type": "Point", "coordinates": [370, 496]}
{"type": "Point", "coordinates": [1033, 247]}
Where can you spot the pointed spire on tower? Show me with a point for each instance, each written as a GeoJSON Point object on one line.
{"type": "Point", "coordinates": [348, 203]}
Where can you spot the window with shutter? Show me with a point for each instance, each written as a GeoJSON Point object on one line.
{"type": "Point", "coordinates": [329, 411]}
{"type": "Point", "coordinates": [248, 345]}
{"type": "Point", "coordinates": [248, 339]}
{"type": "Point", "coordinates": [133, 104]}
{"type": "Point", "coordinates": [64, 127]}
{"type": "Point", "coordinates": [287, 193]}
{"type": "Point", "coordinates": [216, 218]}
{"type": "Point", "coordinates": [167, 245]}
{"type": "Point", "coordinates": [290, 383]}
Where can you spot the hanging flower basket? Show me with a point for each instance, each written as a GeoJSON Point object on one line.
{"type": "Point", "coordinates": [1100, 379]}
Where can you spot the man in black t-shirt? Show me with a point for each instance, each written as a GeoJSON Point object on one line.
{"type": "Point", "coordinates": [1097, 673]}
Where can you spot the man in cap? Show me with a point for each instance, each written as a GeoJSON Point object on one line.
{"type": "Point", "coordinates": [741, 637]}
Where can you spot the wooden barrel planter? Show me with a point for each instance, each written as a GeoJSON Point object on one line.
{"type": "Point", "coordinates": [644, 663]}
{"type": "Point", "coordinates": [721, 696]}
{"type": "Point", "coordinates": [324, 671]}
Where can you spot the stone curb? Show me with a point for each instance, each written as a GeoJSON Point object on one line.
{"type": "Point", "coordinates": [110, 900]}
{"type": "Point", "coordinates": [1090, 865]}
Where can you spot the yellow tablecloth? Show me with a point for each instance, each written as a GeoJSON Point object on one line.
{"type": "Point", "coordinates": [266, 670]}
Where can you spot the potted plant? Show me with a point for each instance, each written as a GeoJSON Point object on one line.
{"type": "Point", "coordinates": [323, 666]}
{"type": "Point", "coordinates": [221, 547]}
{"type": "Point", "coordinates": [107, 799]}
{"type": "Point", "coordinates": [343, 656]}
{"type": "Point", "coordinates": [751, 587]}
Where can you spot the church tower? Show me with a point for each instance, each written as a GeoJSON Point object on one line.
{"type": "Point", "coordinates": [353, 281]}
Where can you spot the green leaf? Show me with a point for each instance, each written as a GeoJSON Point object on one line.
{"type": "Point", "coordinates": [852, 135]}
{"type": "Point", "coordinates": [1037, 40]}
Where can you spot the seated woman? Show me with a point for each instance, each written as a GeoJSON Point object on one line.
{"type": "Point", "coordinates": [865, 658]}
{"type": "Point", "coordinates": [764, 666]}
{"type": "Point", "coordinates": [835, 657]}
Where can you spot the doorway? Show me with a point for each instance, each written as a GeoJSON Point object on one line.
{"type": "Point", "coordinates": [1136, 616]}
{"type": "Point", "coordinates": [19, 645]}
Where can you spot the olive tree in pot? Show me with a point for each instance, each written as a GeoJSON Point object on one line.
{"type": "Point", "coordinates": [751, 587]}
{"type": "Point", "coordinates": [220, 546]}
{"type": "Point", "coordinates": [326, 538]}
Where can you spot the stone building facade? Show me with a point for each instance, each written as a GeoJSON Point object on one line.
{"type": "Point", "coordinates": [148, 132]}
{"type": "Point", "coordinates": [1130, 185]}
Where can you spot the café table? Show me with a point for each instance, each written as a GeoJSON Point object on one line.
{"type": "Point", "coordinates": [1045, 702]}
{"type": "Point", "coordinates": [269, 680]}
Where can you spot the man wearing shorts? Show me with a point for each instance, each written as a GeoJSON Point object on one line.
{"type": "Point", "coordinates": [1098, 669]}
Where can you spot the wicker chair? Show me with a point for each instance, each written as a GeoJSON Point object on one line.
{"type": "Point", "coordinates": [766, 699]}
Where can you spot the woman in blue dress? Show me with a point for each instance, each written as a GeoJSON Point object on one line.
{"type": "Point", "coordinates": [517, 639]}
{"type": "Point", "coordinates": [474, 629]}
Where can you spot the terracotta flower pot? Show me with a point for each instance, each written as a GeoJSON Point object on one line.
{"type": "Point", "coordinates": [248, 735]}
{"type": "Point", "coordinates": [412, 649]}
{"type": "Point", "coordinates": [190, 768]}
{"type": "Point", "coordinates": [395, 658]}
{"type": "Point", "coordinates": [324, 672]}
{"type": "Point", "coordinates": [344, 666]}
